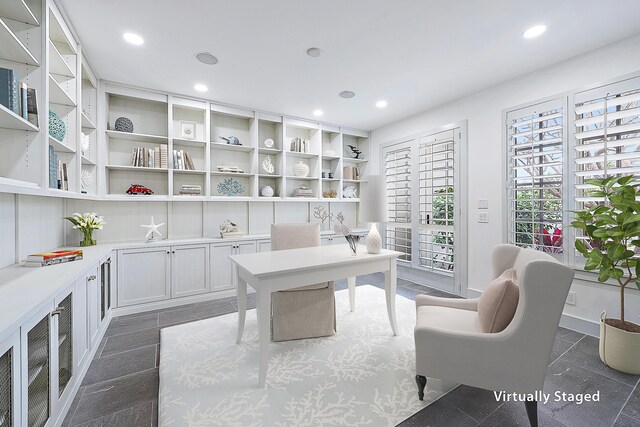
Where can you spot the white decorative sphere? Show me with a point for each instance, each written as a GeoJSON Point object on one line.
{"type": "Point", "coordinates": [301, 169]}
{"type": "Point", "coordinates": [267, 191]}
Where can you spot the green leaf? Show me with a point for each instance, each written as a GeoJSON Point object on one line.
{"type": "Point", "coordinates": [624, 180]}
{"type": "Point", "coordinates": [596, 254]}
{"type": "Point", "coordinates": [604, 275]}
{"type": "Point", "coordinates": [579, 224]}
{"type": "Point", "coordinates": [617, 273]}
{"type": "Point", "coordinates": [632, 218]}
{"type": "Point", "coordinates": [581, 247]}
{"type": "Point", "coordinates": [616, 251]}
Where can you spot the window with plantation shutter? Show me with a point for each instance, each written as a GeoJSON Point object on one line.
{"type": "Point", "coordinates": [535, 138]}
{"type": "Point", "coordinates": [397, 165]}
{"type": "Point", "coordinates": [607, 137]}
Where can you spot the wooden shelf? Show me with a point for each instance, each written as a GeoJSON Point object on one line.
{"type": "Point", "coordinates": [12, 49]}
{"type": "Point", "coordinates": [10, 120]}
{"type": "Point", "coordinates": [57, 94]}
{"type": "Point", "coordinates": [86, 122]}
{"type": "Point", "coordinates": [57, 64]}
{"type": "Point", "coordinates": [136, 169]}
{"type": "Point", "coordinates": [60, 146]}
{"type": "Point", "coordinates": [189, 142]}
{"type": "Point", "coordinates": [245, 174]}
{"type": "Point", "coordinates": [18, 11]}
{"type": "Point", "coordinates": [330, 179]}
{"type": "Point", "coordinates": [231, 147]}
{"type": "Point", "coordinates": [137, 197]}
{"type": "Point", "coordinates": [350, 160]}
{"type": "Point", "coordinates": [140, 137]}
{"type": "Point", "coordinates": [190, 171]}
{"type": "Point", "coordinates": [301, 178]}
{"type": "Point", "coordinates": [57, 33]}
{"type": "Point", "coordinates": [302, 155]}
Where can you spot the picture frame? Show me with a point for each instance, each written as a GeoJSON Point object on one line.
{"type": "Point", "coordinates": [187, 129]}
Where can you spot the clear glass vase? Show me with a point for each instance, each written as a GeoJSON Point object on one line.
{"type": "Point", "coordinates": [87, 240]}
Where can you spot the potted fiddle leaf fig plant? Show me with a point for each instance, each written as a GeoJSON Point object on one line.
{"type": "Point", "coordinates": [611, 248]}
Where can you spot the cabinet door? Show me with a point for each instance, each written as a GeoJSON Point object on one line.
{"type": "Point", "coordinates": [189, 270]}
{"type": "Point", "coordinates": [93, 305]}
{"type": "Point", "coordinates": [80, 323]}
{"type": "Point", "coordinates": [264, 246]}
{"type": "Point", "coordinates": [328, 240]}
{"type": "Point", "coordinates": [246, 248]}
{"type": "Point", "coordinates": [143, 275]}
{"type": "Point", "coordinates": [9, 381]}
{"type": "Point", "coordinates": [221, 274]}
{"type": "Point", "coordinates": [63, 320]}
{"type": "Point", "coordinates": [36, 339]}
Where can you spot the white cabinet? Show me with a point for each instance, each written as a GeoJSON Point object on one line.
{"type": "Point", "coordinates": [80, 322]}
{"type": "Point", "coordinates": [10, 381]}
{"type": "Point", "coordinates": [144, 275]}
{"type": "Point", "coordinates": [221, 267]}
{"type": "Point", "coordinates": [264, 245]}
{"type": "Point", "coordinates": [189, 272]}
{"type": "Point", "coordinates": [93, 304]}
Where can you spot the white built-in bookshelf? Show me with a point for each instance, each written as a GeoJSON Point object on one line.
{"type": "Point", "coordinates": [196, 128]}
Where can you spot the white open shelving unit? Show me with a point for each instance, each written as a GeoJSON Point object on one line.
{"type": "Point", "coordinates": [161, 119]}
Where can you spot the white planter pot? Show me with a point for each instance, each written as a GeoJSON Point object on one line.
{"type": "Point", "coordinates": [619, 349]}
{"type": "Point", "coordinates": [300, 169]}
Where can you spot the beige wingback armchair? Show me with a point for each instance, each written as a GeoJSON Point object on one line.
{"type": "Point", "coordinates": [450, 344]}
{"type": "Point", "coordinates": [308, 311]}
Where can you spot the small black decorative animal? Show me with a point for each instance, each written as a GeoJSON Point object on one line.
{"type": "Point", "coordinates": [355, 151]}
{"type": "Point", "coordinates": [232, 140]}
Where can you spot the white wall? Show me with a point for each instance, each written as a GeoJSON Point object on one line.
{"type": "Point", "coordinates": [483, 110]}
{"type": "Point", "coordinates": [29, 224]}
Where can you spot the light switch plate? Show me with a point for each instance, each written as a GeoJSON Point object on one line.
{"type": "Point", "coordinates": [483, 216]}
{"type": "Point", "coordinates": [483, 204]}
{"type": "Point", "coordinates": [571, 298]}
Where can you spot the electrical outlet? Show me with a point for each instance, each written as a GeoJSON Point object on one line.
{"type": "Point", "coordinates": [483, 216]}
{"type": "Point", "coordinates": [571, 298]}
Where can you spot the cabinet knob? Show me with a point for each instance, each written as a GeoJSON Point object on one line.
{"type": "Point", "coordinates": [173, 252]}
{"type": "Point", "coordinates": [168, 252]}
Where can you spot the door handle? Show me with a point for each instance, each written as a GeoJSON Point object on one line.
{"type": "Point", "coordinates": [57, 311]}
{"type": "Point", "coordinates": [92, 277]}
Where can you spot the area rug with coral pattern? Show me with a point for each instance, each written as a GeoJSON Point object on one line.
{"type": "Point", "coordinates": [362, 375]}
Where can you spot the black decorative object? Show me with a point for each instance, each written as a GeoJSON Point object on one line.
{"type": "Point", "coordinates": [123, 124]}
{"type": "Point", "coordinates": [355, 151]}
{"type": "Point", "coordinates": [232, 140]}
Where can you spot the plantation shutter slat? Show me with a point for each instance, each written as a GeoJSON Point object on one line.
{"type": "Point", "coordinates": [535, 176]}
{"type": "Point", "coordinates": [397, 166]}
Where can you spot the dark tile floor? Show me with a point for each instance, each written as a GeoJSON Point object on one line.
{"type": "Point", "coordinates": [121, 386]}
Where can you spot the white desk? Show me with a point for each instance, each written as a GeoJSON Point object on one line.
{"type": "Point", "coordinates": [268, 272]}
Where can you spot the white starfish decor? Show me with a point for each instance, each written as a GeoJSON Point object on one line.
{"type": "Point", "coordinates": [152, 233]}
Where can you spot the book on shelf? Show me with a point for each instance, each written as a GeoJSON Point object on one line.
{"type": "Point", "coordinates": [350, 172]}
{"type": "Point", "coordinates": [299, 145]}
{"type": "Point", "coordinates": [53, 261]}
{"type": "Point", "coordinates": [9, 90]}
{"type": "Point", "coordinates": [44, 256]}
{"type": "Point", "coordinates": [63, 178]}
{"type": "Point", "coordinates": [189, 161]}
{"type": "Point", "coordinates": [23, 88]}
{"type": "Point", "coordinates": [32, 107]}
{"type": "Point", "coordinates": [148, 157]}
{"type": "Point", "coordinates": [164, 157]}
{"type": "Point", "coordinates": [156, 157]}
{"type": "Point", "coordinates": [190, 190]}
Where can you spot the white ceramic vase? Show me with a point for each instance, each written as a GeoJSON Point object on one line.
{"type": "Point", "coordinates": [300, 169]}
{"type": "Point", "coordinates": [267, 191]}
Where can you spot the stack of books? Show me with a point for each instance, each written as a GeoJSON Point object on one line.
{"type": "Point", "coordinates": [190, 190]}
{"type": "Point", "coordinates": [51, 258]}
{"type": "Point", "coordinates": [149, 157]}
{"type": "Point", "coordinates": [303, 191]}
{"type": "Point", "coordinates": [63, 176]}
{"type": "Point", "coordinates": [17, 96]}
{"type": "Point", "coordinates": [299, 145]}
{"type": "Point", "coordinates": [182, 160]}
{"type": "Point", "coordinates": [350, 172]}
{"type": "Point", "coordinates": [232, 169]}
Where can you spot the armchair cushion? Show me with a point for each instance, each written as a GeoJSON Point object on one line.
{"type": "Point", "coordinates": [447, 319]}
{"type": "Point", "coordinates": [498, 302]}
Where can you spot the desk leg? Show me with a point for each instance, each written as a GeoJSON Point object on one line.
{"type": "Point", "coordinates": [352, 293]}
{"type": "Point", "coordinates": [390, 282]}
{"type": "Point", "coordinates": [264, 328]}
{"type": "Point", "coordinates": [241, 294]}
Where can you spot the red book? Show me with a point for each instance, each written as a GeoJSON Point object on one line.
{"type": "Point", "coordinates": [54, 254]}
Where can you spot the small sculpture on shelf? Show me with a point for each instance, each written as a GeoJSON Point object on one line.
{"type": "Point", "coordinates": [355, 151]}
{"type": "Point", "coordinates": [267, 165]}
{"type": "Point", "coordinates": [152, 230]}
{"type": "Point", "coordinates": [139, 189]}
{"type": "Point", "coordinates": [341, 228]}
{"type": "Point", "coordinates": [320, 213]}
{"type": "Point", "coordinates": [232, 140]}
{"type": "Point", "coordinates": [331, 194]}
{"type": "Point", "coordinates": [229, 229]}
{"type": "Point", "coordinates": [267, 191]}
{"type": "Point", "coordinates": [123, 124]}
{"type": "Point", "coordinates": [349, 192]}
{"type": "Point", "coordinates": [230, 187]}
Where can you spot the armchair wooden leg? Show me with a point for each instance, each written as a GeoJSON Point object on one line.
{"type": "Point", "coordinates": [532, 412]}
{"type": "Point", "coordinates": [422, 383]}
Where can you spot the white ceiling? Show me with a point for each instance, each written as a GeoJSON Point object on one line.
{"type": "Point", "coordinates": [416, 54]}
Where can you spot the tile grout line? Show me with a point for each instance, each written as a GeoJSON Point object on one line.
{"type": "Point", "coordinates": [119, 378]}
{"type": "Point", "coordinates": [627, 401]}
{"type": "Point", "coordinates": [81, 389]}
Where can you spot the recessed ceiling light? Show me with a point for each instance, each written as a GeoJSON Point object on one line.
{"type": "Point", "coordinates": [133, 38]}
{"type": "Point", "coordinates": [381, 104]}
{"type": "Point", "coordinates": [318, 113]}
{"type": "Point", "coordinates": [314, 52]}
{"type": "Point", "coordinates": [347, 94]}
{"type": "Point", "coordinates": [206, 58]}
{"type": "Point", "coordinates": [200, 87]}
{"type": "Point", "coordinates": [534, 31]}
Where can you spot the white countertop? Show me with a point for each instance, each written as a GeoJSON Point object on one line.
{"type": "Point", "coordinates": [23, 290]}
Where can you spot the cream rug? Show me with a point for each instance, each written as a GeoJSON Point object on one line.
{"type": "Point", "coordinates": [362, 375]}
